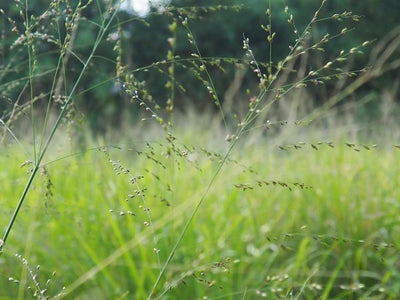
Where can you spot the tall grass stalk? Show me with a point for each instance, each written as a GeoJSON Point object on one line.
{"type": "Point", "coordinates": [250, 116]}
{"type": "Point", "coordinates": [37, 163]}
{"type": "Point", "coordinates": [190, 219]}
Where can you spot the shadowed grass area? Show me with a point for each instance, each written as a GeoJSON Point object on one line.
{"type": "Point", "coordinates": [300, 223]}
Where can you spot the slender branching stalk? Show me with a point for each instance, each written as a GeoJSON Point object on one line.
{"type": "Point", "coordinates": [37, 164]}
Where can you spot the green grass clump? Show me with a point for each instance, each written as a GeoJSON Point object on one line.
{"type": "Point", "coordinates": [301, 224]}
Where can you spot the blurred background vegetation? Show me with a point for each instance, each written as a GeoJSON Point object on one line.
{"type": "Point", "coordinates": [218, 26]}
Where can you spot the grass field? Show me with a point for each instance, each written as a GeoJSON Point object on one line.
{"type": "Point", "coordinates": [223, 208]}
{"type": "Point", "coordinates": [317, 222]}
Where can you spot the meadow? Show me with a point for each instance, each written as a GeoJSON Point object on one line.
{"type": "Point", "coordinates": [315, 220]}
{"type": "Point", "coordinates": [167, 172]}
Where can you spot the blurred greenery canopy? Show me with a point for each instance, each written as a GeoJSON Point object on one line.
{"type": "Point", "coordinates": [218, 28]}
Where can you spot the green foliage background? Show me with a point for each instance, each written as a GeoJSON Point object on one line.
{"type": "Point", "coordinates": [219, 32]}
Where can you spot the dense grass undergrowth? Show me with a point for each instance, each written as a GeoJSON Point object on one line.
{"type": "Point", "coordinates": [317, 222]}
{"type": "Point", "coordinates": [172, 214]}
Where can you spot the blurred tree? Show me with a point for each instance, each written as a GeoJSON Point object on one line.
{"type": "Point", "coordinates": [218, 27]}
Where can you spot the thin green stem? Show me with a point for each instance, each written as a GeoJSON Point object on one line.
{"type": "Point", "coordinates": [53, 131]}
{"type": "Point", "coordinates": [193, 214]}
{"type": "Point", "coordinates": [50, 100]}
{"type": "Point", "coordinates": [31, 66]}
{"type": "Point", "coordinates": [210, 81]}
{"type": "Point", "coordinates": [19, 205]}
{"type": "Point", "coordinates": [270, 44]}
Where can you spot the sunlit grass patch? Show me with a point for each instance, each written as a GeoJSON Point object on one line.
{"type": "Point", "coordinates": [304, 223]}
